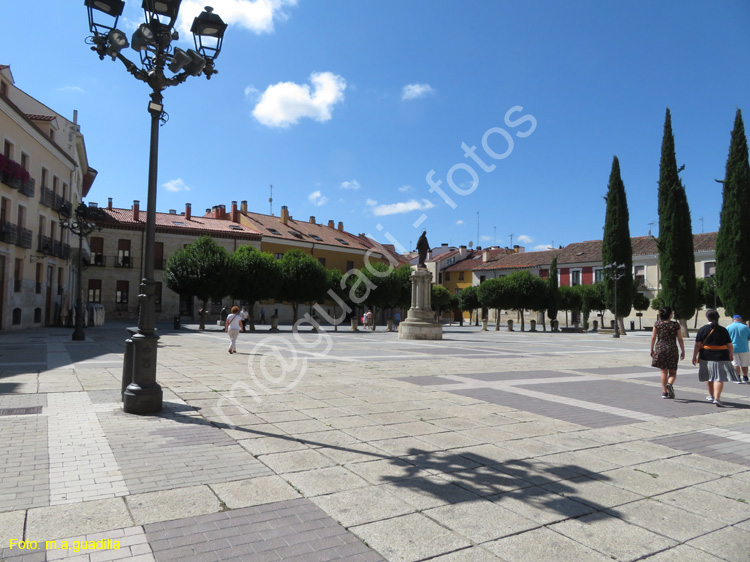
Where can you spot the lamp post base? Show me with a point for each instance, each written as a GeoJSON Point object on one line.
{"type": "Point", "coordinates": [142, 401]}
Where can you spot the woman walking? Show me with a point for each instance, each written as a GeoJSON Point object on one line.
{"type": "Point", "coordinates": [666, 336]}
{"type": "Point", "coordinates": [233, 326]}
{"type": "Point", "coordinates": [713, 348]}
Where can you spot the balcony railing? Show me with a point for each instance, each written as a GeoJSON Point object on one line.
{"type": "Point", "coordinates": [27, 187]}
{"type": "Point", "coordinates": [24, 238]}
{"type": "Point", "coordinates": [46, 197]}
{"type": "Point", "coordinates": [98, 260]}
{"type": "Point", "coordinates": [59, 202]}
{"type": "Point", "coordinates": [45, 246]}
{"type": "Point", "coordinates": [123, 261]}
{"type": "Point", "coordinates": [8, 232]}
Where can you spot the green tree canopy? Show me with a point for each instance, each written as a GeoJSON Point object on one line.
{"type": "Point", "coordinates": [304, 279]}
{"type": "Point", "coordinates": [676, 255]}
{"type": "Point", "coordinates": [201, 270]}
{"type": "Point", "coordinates": [255, 276]}
{"type": "Point", "coordinates": [616, 247]}
{"type": "Point", "coordinates": [525, 292]}
{"type": "Point", "coordinates": [733, 240]}
{"type": "Point", "coordinates": [441, 298]}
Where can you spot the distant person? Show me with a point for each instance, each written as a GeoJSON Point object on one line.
{"type": "Point", "coordinates": [233, 327]}
{"type": "Point", "coordinates": [262, 316]}
{"type": "Point", "coordinates": [740, 334]}
{"type": "Point", "coordinates": [244, 316]}
{"type": "Point", "coordinates": [224, 313]}
{"type": "Point", "coordinates": [713, 349]}
{"type": "Point", "coordinates": [369, 322]}
{"type": "Point", "coordinates": [666, 335]}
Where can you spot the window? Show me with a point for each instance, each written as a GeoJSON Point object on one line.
{"type": "Point", "coordinates": [55, 185]}
{"type": "Point", "coordinates": [97, 250]}
{"type": "Point", "coordinates": [121, 292]}
{"type": "Point", "coordinates": [440, 278]}
{"type": "Point", "coordinates": [457, 291]}
{"type": "Point", "coordinates": [349, 265]}
{"type": "Point", "coordinates": [25, 161]}
{"type": "Point", "coordinates": [17, 275]}
{"type": "Point", "coordinates": [95, 290]}
{"type": "Point", "coordinates": [8, 150]}
{"type": "Point", "coordinates": [639, 274]}
{"type": "Point", "coordinates": [16, 316]}
{"type": "Point", "coordinates": [278, 255]}
{"type": "Point", "coordinates": [45, 177]}
{"type": "Point", "coordinates": [159, 255]}
{"type": "Point", "coordinates": [5, 210]}
{"type": "Point", "coordinates": [274, 231]}
{"type": "Point", "coordinates": [543, 273]}
{"type": "Point", "coordinates": [65, 191]}
{"type": "Point", "coordinates": [598, 275]}
{"type": "Point", "coordinates": [709, 268]}
{"type": "Point", "coordinates": [123, 253]}
{"type": "Point", "coordinates": [53, 230]}
{"type": "Point", "coordinates": [316, 237]}
{"type": "Point", "coordinates": [342, 241]}
{"type": "Point", "coordinates": [38, 278]}
{"type": "Point", "coordinates": [575, 277]}
{"type": "Point", "coordinates": [21, 216]}
{"type": "Point", "coordinates": [451, 260]}
{"type": "Point", "coordinates": [447, 275]}
{"type": "Point", "coordinates": [322, 261]}
{"type": "Point", "coordinates": [460, 275]}
{"type": "Point", "coordinates": [60, 279]}
{"type": "Point", "coordinates": [481, 279]}
{"type": "Point", "coordinates": [42, 226]}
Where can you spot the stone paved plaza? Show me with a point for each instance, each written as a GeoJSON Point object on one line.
{"type": "Point", "coordinates": [362, 447]}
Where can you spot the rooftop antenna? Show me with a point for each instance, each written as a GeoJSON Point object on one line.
{"type": "Point", "coordinates": [701, 219]}
{"type": "Point", "coordinates": [270, 200]}
{"type": "Point", "coordinates": [649, 227]}
{"type": "Point", "coordinates": [511, 239]}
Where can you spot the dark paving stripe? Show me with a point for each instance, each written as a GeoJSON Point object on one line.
{"type": "Point", "coordinates": [294, 530]}
{"type": "Point", "coordinates": [711, 445]}
{"type": "Point", "coordinates": [20, 411]}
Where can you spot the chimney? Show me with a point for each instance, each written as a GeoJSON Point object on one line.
{"type": "Point", "coordinates": [519, 249]}
{"type": "Point", "coordinates": [109, 204]}
{"type": "Point", "coordinates": [172, 211]}
{"type": "Point", "coordinates": [485, 256]}
{"type": "Point", "coordinates": [284, 215]}
{"type": "Point", "coordinates": [222, 212]}
{"type": "Point", "coordinates": [93, 205]}
{"type": "Point", "coordinates": [341, 226]}
{"type": "Point", "coordinates": [235, 212]}
{"type": "Point", "coordinates": [136, 210]}
{"type": "Point", "coordinates": [331, 224]}
{"type": "Point", "coordinates": [188, 211]}
{"type": "Point", "coordinates": [208, 212]}
{"type": "Point", "coordinates": [312, 220]}
{"type": "Point", "coordinates": [462, 251]}
{"type": "Point", "coordinates": [444, 245]}
{"type": "Point", "coordinates": [243, 207]}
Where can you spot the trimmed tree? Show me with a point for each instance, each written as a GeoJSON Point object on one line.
{"type": "Point", "coordinates": [468, 300]}
{"type": "Point", "coordinates": [255, 276]}
{"type": "Point", "coordinates": [616, 247]}
{"type": "Point", "coordinates": [387, 287]}
{"type": "Point", "coordinates": [201, 270]}
{"type": "Point", "coordinates": [441, 299]}
{"type": "Point", "coordinates": [675, 243]}
{"type": "Point", "coordinates": [303, 280]}
{"type": "Point", "coordinates": [570, 300]}
{"type": "Point", "coordinates": [526, 292]}
{"type": "Point", "coordinates": [733, 240]}
{"type": "Point", "coordinates": [493, 293]}
{"type": "Point", "coordinates": [553, 294]}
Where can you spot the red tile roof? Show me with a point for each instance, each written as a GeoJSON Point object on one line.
{"type": "Point", "coordinates": [198, 225]}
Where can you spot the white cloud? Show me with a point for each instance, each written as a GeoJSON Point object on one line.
{"type": "Point", "coordinates": [257, 16]}
{"type": "Point", "coordinates": [354, 184]}
{"type": "Point", "coordinates": [72, 89]}
{"type": "Point", "coordinates": [405, 188]}
{"type": "Point", "coordinates": [251, 91]}
{"type": "Point", "coordinates": [542, 247]}
{"type": "Point", "coordinates": [285, 103]}
{"type": "Point", "coordinates": [459, 222]}
{"type": "Point", "coordinates": [416, 91]}
{"type": "Point", "coordinates": [485, 238]}
{"type": "Point", "coordinates": [405, 207]}
{"type": "Point", "coordinates": [176, 185]}
{"type": "Point", "coordinates": [371, 202]}
{"type": "Point", "coordinates": [317, 199]}
{"type": "Point", "coordinates": [525, 239]}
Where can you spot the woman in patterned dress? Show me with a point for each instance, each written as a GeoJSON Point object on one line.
{"type": "Point", "coordinates": [666, 336]}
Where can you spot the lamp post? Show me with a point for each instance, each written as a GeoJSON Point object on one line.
{"type": "Point", "coordinates": [153, 41]}
{"type": "Point", "coordinates": [79, 225]}
{"type": "Point", "coordinates": [616, 271]}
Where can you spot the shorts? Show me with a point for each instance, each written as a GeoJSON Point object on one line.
{"type": "Point", "coordinates": [716, 371]}
{"type": "Point", "coordinates": [741, 359]}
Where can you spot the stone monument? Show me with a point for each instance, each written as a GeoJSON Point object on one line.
{"type": "Point", "coordinates": [420, 323]}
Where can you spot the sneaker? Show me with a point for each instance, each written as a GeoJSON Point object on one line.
{"type": "Point", "coordinates": [745, 380]}
{"type": "Point", "coordinates": [670, 391]}
{"type": "Point", "coordinates": [709, 398]}
{"type": "Point", "coordinates": [664, 395]}
{"type": "Point", "coordinates": [718, 404]}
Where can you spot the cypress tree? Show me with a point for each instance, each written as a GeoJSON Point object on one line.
{"type": "Point", "coordinates": [553, 301]}
{"type": "Point", "coordinates": [733, 240]}
{"type": "Point", "coordinates": [616, 247]}
{"type": "Point", "coordinates": [676, 254]}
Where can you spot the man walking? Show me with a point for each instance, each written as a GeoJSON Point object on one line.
{"type": "Point", "coordinates": [740, 334]}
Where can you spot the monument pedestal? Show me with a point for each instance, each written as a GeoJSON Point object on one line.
{"type": "Point", "coordinates": [420, 321]}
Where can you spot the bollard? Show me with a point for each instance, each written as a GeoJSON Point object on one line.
{"type": "Point", "coordinates": [355, 322]}
{"type": "Point", "coordinates": [510, 325]}
{"type": "Point", "coordinates": [484, 324]}
{"type": "Point", "coordinates": [274, 323]}
{"type": "Point", "coordinates": [532, 324]}
{"type": "Point", "coordinates": [127, 363]}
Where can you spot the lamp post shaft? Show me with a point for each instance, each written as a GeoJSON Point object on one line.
{"type": "Point", "coordinates": [144, 395]}
{"type": "Point", "coordinates": [78, 331]}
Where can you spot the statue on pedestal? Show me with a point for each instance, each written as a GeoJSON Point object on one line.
{"type": "Point", "coordinates": [423, 246]}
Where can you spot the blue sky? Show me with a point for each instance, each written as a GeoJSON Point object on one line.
{"type": "Point", "coordinates": [347, 106]}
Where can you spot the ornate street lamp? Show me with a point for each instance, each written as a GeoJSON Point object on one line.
{"type": "Point", "coordinates": [616, 271]}
{"type": "Point", "coordinates": [79, 225]}
{"type": "Point", "coordinates": [153, 41]}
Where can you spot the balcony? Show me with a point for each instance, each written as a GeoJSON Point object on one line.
{"type": "Point", "coordinates": [47, 197]}
{"type": "Point", "coordinates": [98, 260]}
{"type": "Point", "coordinates": [123, 261]}
{"type": "Point", "coordinates": [8, 232]}
{"type": "Point", "coordinates": [24, 238]}
{"type": "Point", "coordinates": [27, 187]}
{"type": "Point", "coordinates": [45, 245]}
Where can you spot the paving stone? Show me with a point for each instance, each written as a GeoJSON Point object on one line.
{"type": "Point", "coordinates": [666, 520]}
{"type": "Point", "coordinates": [172, 504]}
{"type": "Point", "coordinates": [469, 519]}
{"type": "Point", "coordinates": [363, 505]}
{"type": "Point", "coordinates": [472, 554]}
{"type": "Point", "coordinates": [325, 481]}
{"type": "Point", "coordinates": [707, 504]}
{"type": "Point", "coordinates": [542, 545]}
{"type": "Point", "coordinates": [409, 538]}
{"type": "Point", "coordinates": [254, 491]}
{"type": "Point", "coordinates": [11, 526]}
{"type": "Point", "coordinates": [730, 543]}
{"type": "Point", "coordinates": [59, 521]}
